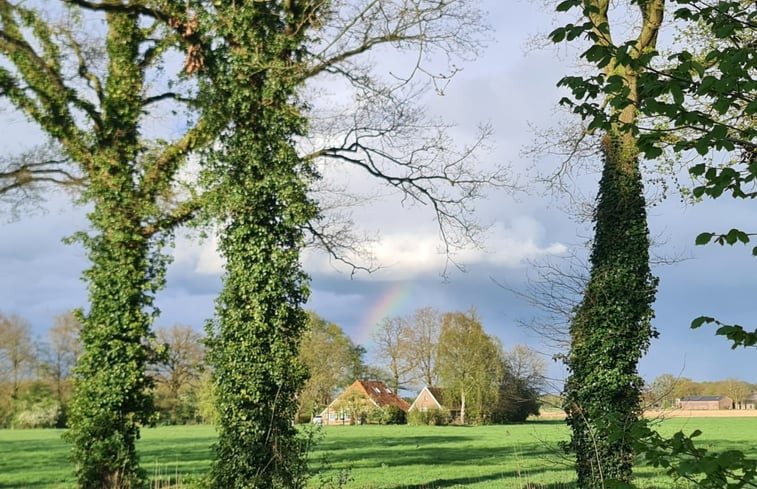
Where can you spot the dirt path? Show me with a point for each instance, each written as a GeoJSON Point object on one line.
{"type": "Point", "coordinates": [675, 413]}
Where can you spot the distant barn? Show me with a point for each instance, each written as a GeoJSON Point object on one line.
{"type": "Point", "coordinates": [706, 402]}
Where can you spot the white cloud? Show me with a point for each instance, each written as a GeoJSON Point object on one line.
{"type": "Point", "coordinates": [404, 254]}
{"type": "Point", "coordinates": [201, 255]}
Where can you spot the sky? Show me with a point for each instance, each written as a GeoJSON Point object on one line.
{"type": "Point", "coordinates": [513, 88]}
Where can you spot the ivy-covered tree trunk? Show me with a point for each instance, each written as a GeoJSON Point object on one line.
{"type": "Point", "coordinates": [611, 328]}
{"type": "Point", "coordinates": [88, 94]}
{"type": "Point", "coordinates": [112, 398]}
{"type": "Point", "coordinates": [111, 389]}
{"type": "Point", "coordinates": [263, 207]}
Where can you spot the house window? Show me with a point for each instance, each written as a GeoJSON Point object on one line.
{"type": "Point", "coordinates": [378, 391]}
{"type": "Point", "coordinates": [332, 416]}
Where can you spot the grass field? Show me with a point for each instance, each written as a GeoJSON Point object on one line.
{"type": "Point", "coordinates": [372, 457]}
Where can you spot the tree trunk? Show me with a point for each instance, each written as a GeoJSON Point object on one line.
{"type": "Point", "coordinates": [112, 393]}
{"type": "Point", "coordinates": [462, 407]}
{"type": "Point", "coordinates": [611, 328]}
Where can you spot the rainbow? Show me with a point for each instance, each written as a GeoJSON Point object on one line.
{"type": "Point", "coordinates": [387, 305]}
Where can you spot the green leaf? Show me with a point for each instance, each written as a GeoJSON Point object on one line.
{"type": "Point", "coordinates": [557, 35]}
{"type": "Point", "coordinates": [704, 238]}
{"type": "Point", "coordinates": [698, 322]}
{"type": "Point", "coordinates": [566, 5]}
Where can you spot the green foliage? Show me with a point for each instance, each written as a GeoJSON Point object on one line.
{"type": "Point", "coordinates": [91, 100]}
{"type": "Point", "coordinates": [393, 415]}
{"type": "Point", "coordinates": [430, 417]}
{"type": "Point", "coordinates": [683, 458]}
{"type": "Point", "coordinates": [737, 334]}
{"type": "Point", "coordinates": [702, 100]}
{"type": "Point", "coordinates": [262, 205]}
{"type": "Point", "coordinates": [516, 402]}
{"type": "Point", "coordinates": [36, 407]}
{"type": "Point", "coordinates": [611, 328]}
{"type": "Point", "coordinates": [469, 362]}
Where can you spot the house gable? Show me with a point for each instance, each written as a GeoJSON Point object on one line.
{"type": "Point", "coordinates": [428, 398]}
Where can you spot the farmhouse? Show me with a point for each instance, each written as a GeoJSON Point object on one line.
{"type": "Point", "coordinates": [706, 402]}
{"type": "Point", "coordinates": [357, 400]}
{"type": "Point", "coordinates": [433, 398]}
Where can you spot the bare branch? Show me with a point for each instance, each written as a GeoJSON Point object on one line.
{"type": "Point", "coordinates": [23, 177]}
{"type": "Point", "coordinates": [388, 136]}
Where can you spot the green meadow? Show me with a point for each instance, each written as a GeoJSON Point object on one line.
{"type": "Point", "coordinates": [371, 456]}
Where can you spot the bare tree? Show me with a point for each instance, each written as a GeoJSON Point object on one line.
{"type": "Point", "coordinates": [374, 122]}
{"type": "Point", "coordinates": [527, 365]}
{"type": "Point", "coordinates": [423, 345]}
{"type": "Point", "coordinates": [63, 349]}
{"type": "Point", "coordinates": [181, 363]}
{"type": "Point", "coordinates": [738, 391]}
{"type": "Point", "coordinates": [17, 352]}
{"type": "Point", "coordinates": [393, 345]}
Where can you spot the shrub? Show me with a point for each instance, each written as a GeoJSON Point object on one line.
{"type": "Point", "coordinates": [432, 417]}
{"type": "Point", "coordinates": [392, 415]}
{"type": "Point", "coordinates": [40, 415]}
{"type": "Point", "coordinates": [374, 416]}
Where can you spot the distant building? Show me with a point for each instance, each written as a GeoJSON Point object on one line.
{"type": "Point", "coordinates": [433, 398]}
{"type": "Point", "coordinates": [750, 402]}
{"type": "Point", "coordinates": [351, 406]}
{"type": "Point", "coordinates": [706, 402]}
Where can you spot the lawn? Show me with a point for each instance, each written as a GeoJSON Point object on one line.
{"type": "Point", "coordinates": [371, 456]}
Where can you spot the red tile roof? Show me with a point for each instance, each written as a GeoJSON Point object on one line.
{"type": "Point", "coordinates": [380, 394]}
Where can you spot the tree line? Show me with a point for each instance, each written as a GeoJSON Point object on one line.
{"type": "Point", "coordinates": [664, 390]}
{"type": "Point", "coordinates": [36, 376]}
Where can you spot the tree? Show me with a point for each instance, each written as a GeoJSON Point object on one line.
{"type": "Point", "coordinates": [408, 347]}
{"type": "Point", "coordinates": [738, 391]}
{"type": "Point", "coordinates": [63, 350]}
{"type": "Point", "coordinates": [520, 386]}
{"type": "Point", "coordinates": [17, 352]}
{"type": "Point", "coordinates": [469, 363]}
{"type": "Point", "coordinates": [178, 369]}
{"type": "Point", "coordinates": [662, 391]}
{"type": "Point", "coordinates": [423, 345]}
{"type": "Point", "coordinates": [393, 344]}
{"type": "Point", "coordinates": [331, 359]}
{"type": "Point", "coordinates": [699, 100]}
{"type": "Point", "coordinates": [89, 92]}
{"type": "Point", "coordinates": [611, 328]}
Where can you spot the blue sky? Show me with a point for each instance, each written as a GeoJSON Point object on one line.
{"type": "Point", "coordinates": [512, 88]}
